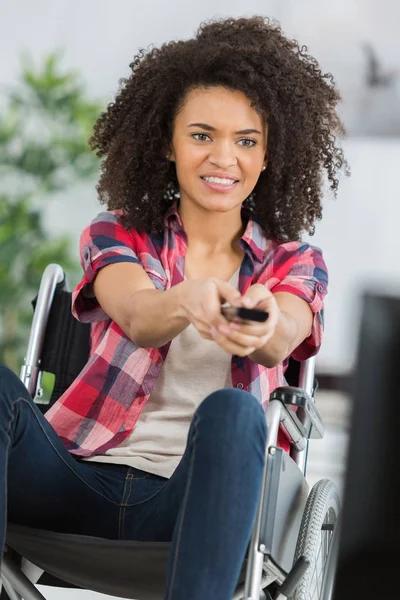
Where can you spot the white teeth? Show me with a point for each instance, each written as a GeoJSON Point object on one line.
{"type": "Point", "coordinates": [219, 180]}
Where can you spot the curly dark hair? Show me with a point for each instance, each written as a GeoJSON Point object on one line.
{"type": "Point", "coordinates": [284, 84]}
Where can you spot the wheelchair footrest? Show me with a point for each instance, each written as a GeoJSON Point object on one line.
{"type": "Point", "coordinates": [293, 579]}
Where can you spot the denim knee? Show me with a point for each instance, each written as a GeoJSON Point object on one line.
{"type": "Point", "coordinates": [11, 387]}
{"type": "Point", "coordinates": [239, 410]}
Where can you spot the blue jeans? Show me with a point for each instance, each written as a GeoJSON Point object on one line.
{"type": "Point", "coordinates": [206, 509]}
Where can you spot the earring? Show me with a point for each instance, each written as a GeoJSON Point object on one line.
{"type": "Point", "coordinates": [263, 169]}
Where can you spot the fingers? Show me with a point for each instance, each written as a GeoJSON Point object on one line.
{"type": "Point", "coordinates": [229, 293]}
{"type": "Point", "coordinates": [240, 346]}
{"type": "Point", "coordinates": [205, 333]}
{"type": "Point", "coordinates": [257, 330]}
{"type": "Point", "coordinates": [235, 338]}
{"type": "Point", "coordinates": [239, 338]}
{"type": "Point", "coordinates": [256, 295]}
{"type": "Point", "coordinates": [210, 319]}
{"type": "Point", "coordinates": [230, 346]}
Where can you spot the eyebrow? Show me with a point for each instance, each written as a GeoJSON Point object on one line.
{"type": "Point", "coordinates": [210, 128]}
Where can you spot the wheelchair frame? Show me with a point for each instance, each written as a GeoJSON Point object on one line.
{"type": "Point", "coordinates": [262, 568]}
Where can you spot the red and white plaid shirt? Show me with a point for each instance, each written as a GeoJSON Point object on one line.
{"type": "Point", "coordinates": [102, 406]}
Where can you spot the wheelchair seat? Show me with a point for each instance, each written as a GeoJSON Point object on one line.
{"type": "Point", "coordinates": [115, 567]}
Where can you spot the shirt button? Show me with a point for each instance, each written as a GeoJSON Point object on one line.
{"type": "Point", "coordinates": [320, 288]}
{"type": "Point", "coordinates": [239, 386]}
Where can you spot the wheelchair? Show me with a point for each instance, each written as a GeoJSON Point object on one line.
{"type": "Point", "coordinates": [292, 549]}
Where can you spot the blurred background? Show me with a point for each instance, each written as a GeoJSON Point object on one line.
{"type": "Point", "coordinates": [61, 62]}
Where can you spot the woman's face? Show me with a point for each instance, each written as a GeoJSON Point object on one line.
{"type": "Point", "coordinates": [219, 147]}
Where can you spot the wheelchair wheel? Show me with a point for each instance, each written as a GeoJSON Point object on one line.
{"type": "Point", "coordinates": [315, 538]}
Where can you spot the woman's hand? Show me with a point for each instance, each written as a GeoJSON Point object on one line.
{"type": "Point", "coordinates": [202, 301]}
{"type": "Point", "coordinates": [243, 339]}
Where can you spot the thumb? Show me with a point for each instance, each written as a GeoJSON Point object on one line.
{"type": "Point", "coordinates": [254, 295]}
{"type": "Point", "coordinates": [229, 294]}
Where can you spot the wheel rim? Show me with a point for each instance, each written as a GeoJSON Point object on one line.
{"type": "Point", "coordinates": [319, 566]}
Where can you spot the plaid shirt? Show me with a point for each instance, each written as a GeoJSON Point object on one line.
{"type": "Point", "coordinates": [100, 409]}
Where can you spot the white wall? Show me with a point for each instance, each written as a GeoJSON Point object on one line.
{"type": "Point", "coordinates": [101, 37]}
{"type": "Point", "coordinates": [359, 235]}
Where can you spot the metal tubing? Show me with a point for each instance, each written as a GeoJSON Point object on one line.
{"type": "Point", "coordinates": [11, 593]}
{"type": "Point", "coordinates": [239, 592]}
{"type": "Point", "coordinates": [53, 275]}
{"type": "Point", "coordinates": [254, 570]}
{"type": "Point", "coordinates": [306, 382]}
{"type": "Point", "coordinates": [19, 582]}
{"type": "Point", "coordinates": [273, 417]}
{"type": "Point", "coordinates": [328, 581]}
{"type": "Point", "coordinates": [294, 434]}
{"type": "Point", "coordinates": [307, 374]}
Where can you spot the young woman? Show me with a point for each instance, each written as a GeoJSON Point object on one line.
{"type": "Point", "coordinates": [213, 155]}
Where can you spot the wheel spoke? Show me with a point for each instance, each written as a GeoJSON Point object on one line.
{"type": "Point", "coordinates": [315, 537]}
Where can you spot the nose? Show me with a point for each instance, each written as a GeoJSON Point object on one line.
{"type": "Point", "coordinates": [223, 155]}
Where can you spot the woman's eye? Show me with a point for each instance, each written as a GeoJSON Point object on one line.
{"type": "Point", "coordinates": [201, 137]}
{"type": "Point", "coordinates": [247, 142]}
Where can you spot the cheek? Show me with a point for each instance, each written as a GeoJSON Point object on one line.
{"type": "Point", "coordinates": [184, 173]}
{"type": "Point", "coordinates": [189, 162]}
{"type": "Point", "coordinates": [253, 170]}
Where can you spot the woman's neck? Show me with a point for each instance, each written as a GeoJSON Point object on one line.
{"type": "Point", "coordinates": [212, 234]}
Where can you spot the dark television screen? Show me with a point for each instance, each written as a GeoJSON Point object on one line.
{"type": "Point", "coordinates": [369, 549]}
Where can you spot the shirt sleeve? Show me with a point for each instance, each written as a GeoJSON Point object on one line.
{"type": "Point", "coordinates": [307, 278]}
{"type": "Point", "coordinates": [105, 241]}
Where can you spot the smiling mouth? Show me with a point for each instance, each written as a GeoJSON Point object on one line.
{"type": "Point", "coordinates": [220, 181]}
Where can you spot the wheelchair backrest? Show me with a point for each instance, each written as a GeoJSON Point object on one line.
{"type": "Point", "coordinates": [66, 344]}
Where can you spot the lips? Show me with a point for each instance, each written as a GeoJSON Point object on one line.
{"type": "Point", "coordinates": [220, 180]}
{"type": "Point", "coordinates": [219, 184]}
{"type": "Point", "coordinates": [220, 175]}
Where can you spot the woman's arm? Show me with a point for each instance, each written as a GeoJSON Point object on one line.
{"type": "Point", "coordinates": [293, 327]}
{"type": "Point", "coordinates": [151, 317]}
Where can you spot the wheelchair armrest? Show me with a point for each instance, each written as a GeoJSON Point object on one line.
{"type": "Point", "coordinates": [301, 410]}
